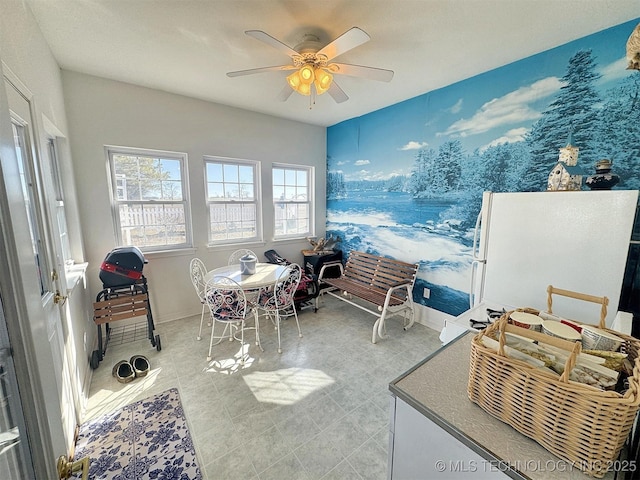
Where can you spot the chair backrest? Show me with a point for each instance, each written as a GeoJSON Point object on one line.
{"type": "Point", "coordinates": [234, 258]}
{"type": "Point", "coordinates": [198, 271]}
{"type": "Point", "coordinates": [225, 299]}
{"type": "Point", "coordinates": [286, 286]}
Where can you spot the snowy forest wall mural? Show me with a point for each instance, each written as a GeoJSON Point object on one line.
{"type": "Point", "coordinates": [406, 181]}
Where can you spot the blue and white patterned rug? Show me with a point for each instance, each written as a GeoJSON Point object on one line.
{"type": "Point", "coordinates": [148, 439]}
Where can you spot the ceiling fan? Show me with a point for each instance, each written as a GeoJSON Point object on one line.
{"type": "Point", "coordinates": [313, 70]}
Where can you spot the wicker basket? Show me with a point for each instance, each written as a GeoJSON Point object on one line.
{"type": "Point", "coordinates": [579, 423]}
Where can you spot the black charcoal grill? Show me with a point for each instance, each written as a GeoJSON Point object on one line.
{"type": "Point", "coordinates": [125, 295]}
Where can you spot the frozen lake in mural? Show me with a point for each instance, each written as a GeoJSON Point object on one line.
{"type": "Point", "coordinates": [396, 225]}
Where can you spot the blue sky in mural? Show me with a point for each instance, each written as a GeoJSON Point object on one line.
{"type": "Point", "coordinates": [375, 205]}
{"type": "Point", "coordinates": [480, 111]}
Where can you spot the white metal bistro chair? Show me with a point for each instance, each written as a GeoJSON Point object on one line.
{"type": "Point", "coordinates": [228, 305]}
{"type": "Point", "coordinates": [198, 272]}
{"type": "Point", "coordinates": [235, 257]}
{"type": "Point", "coordinates": [277, 300]}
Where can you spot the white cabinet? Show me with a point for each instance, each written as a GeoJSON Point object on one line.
{"type": "Point", "coordinates": [421, 449]}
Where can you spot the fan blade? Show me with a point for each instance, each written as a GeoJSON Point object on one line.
{"type": "Point", "coordinates": [274, 42]}
{"type": "Point", "coordinates": [370, 73]}
{"type": "Point", "coordinates": [345, 42]}
{"type": "Point", "coordinates": [285, 93]}
{"type": "Point", "coordinates": [337, 93]}
{"type": "Point", "coordinates": [251, 71]}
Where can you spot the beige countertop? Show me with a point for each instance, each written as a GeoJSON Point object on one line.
{"type": "Point", "coordinates": [437, 387]}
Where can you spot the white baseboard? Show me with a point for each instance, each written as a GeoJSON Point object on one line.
{"type": "Point", "coordinates": [431, 318]}
{"type": "Point", "coordinates": [175, 316]}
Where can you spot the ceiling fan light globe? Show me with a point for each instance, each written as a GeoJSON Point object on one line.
{"type": "Point", "coordinates": [306, 74]}
{"type": "Point", "coordinates": [304, 89]}
{"type": "Point", "coordinates": [323, 81]}
{"type": "Point", "coordinates": [294, 80]}
{"type": "Point", "coordinates": [319, 89]}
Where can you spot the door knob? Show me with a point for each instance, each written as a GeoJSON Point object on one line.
{"type": "Point", "coordinates": [67, 468]}
{"type": "Point", "coordinates": [59, 299]}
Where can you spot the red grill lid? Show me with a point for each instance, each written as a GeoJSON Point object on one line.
{"type": "Point", "coordinates": [118, 269]}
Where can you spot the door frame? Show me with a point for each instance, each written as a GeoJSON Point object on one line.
{"type": "Point", "coordinates": [19, 287]}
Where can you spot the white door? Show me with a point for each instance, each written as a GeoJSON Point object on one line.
{"type": "Point", "coordinates": [36, 178]}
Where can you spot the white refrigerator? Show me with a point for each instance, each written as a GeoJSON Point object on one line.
{"type": "Point", "coordinates": [575, 241]}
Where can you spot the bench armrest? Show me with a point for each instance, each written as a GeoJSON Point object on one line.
{"type": "Point", "coordinates": [395, 287]}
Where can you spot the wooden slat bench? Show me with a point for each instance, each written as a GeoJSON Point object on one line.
{"type": "Point", "coordinates": [383, 282]}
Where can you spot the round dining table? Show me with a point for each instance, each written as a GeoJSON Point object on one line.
{"type": "Point", "coordinates": [266, 274]}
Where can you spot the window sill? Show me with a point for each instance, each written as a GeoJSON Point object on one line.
{"type": "Point", "coordinates": [291, 239]}
{"type": "Point", "coordinates": [230, 246]}
{"type": "Point", "coordinates": [170, 253]}
{"type": "Point", "coordinates": [74, 273]}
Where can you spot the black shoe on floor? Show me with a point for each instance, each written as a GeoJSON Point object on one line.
{"type": "Point", "coordinates": [140, 365]}
{"type": "Point", "coordinates": [123, 371]}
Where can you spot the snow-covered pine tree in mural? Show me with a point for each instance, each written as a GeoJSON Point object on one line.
{"type": "Point", "coordinates": [335, 186]}
{"type": "Point", "coordinates": [574, 111]}
{"type": "Point", "coordinates": [424, 181]}
{"type": "Point", "coordinates": [407, 181]}
{"type": "Point", "coordinates": [618, 135]}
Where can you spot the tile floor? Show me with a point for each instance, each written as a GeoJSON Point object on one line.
{"type": "Point", "coordinates": [319, 410]}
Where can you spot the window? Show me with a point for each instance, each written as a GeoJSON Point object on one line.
{"type": "Point", "coordinates": [60, 209]}
{"type": "Point", "coordinates": [150, 198]}
{"type": "Point", "coordinates": [29, 184]}
{"type": "Point", "coordinates": [292, 201]}
{"type": "Point", "coordinates": [233, 200]}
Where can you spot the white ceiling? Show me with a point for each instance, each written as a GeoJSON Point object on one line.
{"type": "Point", "coordinates": [187, 46]}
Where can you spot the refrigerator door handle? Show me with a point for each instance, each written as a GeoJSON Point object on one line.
{"type": "Point", "coordinates": [475, 264]}
{"type": "Point", "coordinates": [475, 248]}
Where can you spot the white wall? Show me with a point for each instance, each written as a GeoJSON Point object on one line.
{"type": "Point", "coordinates": [24, 50]}
{"type": "Point", "coordinates": [105, 112]}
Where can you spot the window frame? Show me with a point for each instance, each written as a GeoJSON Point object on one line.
{"type": "Point", "coordinates": [310, 202]}
{"type": "Point", "coordinates": [182, 158]}
{"type": "Point", "coordinates": [60, 209]}
{"type": "Point", "coordinates": [32, 188]}
{"type": "Point", "coordinates": [257, 199]}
